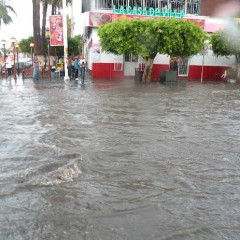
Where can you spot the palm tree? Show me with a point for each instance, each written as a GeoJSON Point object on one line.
{"type": "Point", "coordinates": [56, 5]}
{"type": "Point", "coordinates": [44, 20]}
{"type": "Point", "coordinates": [38, 46]}
{"type": "Point", "coordinates": [4, 13]}
{"type": "Point", "coordinates": [38, 33]}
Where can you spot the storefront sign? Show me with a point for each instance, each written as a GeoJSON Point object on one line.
{"type": "Point", "coordinates": [56, 30]}
{"type": "Point", "coordinates": [97, 19]}
{"type": "Point", "coordinates": [151, 12]}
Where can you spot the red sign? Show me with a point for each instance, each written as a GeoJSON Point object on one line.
{"type": "Point", "coordinates": [97, 19]}
{"type": "Point", "coordinates": [56, 30]}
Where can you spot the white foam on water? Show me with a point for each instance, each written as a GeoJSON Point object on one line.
{"type": "Point", "coordinates": [63, 174]}
{"type": "Point", "coordinates": [66, 174]}
{"type": "Point", "coordinates": [35, 176]}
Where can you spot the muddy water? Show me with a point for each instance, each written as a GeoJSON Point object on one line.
{"type": "Point", "coordinates": [118, 160]}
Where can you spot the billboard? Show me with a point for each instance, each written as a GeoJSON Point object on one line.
{"type": "Point", "coordinates": [56, 30]}
{"type": "Point", "coordinates": [97, 19]}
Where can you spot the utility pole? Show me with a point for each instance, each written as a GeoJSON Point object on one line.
{"type": "Point", "coordinates": [65, 42]}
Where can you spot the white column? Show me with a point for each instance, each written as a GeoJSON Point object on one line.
{"type": "Point", "coordinates": [185, 7]}
{"type": "Point", "coordinates": [65, 42]}
{"type": "Point", "coordinates": [72, 19]}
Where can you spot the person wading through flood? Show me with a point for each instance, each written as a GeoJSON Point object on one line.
{"type": "Point", "coordinates": [36, 64]}
{"type": "Point", "coordinates": [82, 70]}
{"type": "Point", "coordinates": [9, 65]}
{"type": "Point", "coordinates": [76, 67]}
{"type": "Point", "coordinates": [69, 67]}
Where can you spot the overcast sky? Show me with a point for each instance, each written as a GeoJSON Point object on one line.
{"type": "Point", "coordinates": [22, 26]}
{"type": "Point", "coordinates": [22, 22]}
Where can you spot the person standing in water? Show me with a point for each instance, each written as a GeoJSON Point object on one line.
{"type": "Point", "coordinates": [82, 70]}
{"type": "Point", "coordinates": [76, 67]}
{"type": "Point", "coordinates": [36, 65]}
{"type": "Point", "coordinates": [9, 65]}
{"type": "Point", "coordinates": [69, 67]}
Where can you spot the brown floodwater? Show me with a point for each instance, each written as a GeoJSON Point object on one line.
{"type": "Point", "coordinates": [119, 160]}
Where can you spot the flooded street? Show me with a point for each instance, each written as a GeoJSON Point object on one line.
{"type": "Point", "coordinates": [119, 160]}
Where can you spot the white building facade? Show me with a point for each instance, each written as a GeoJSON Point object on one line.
{"type": "Point", "coordinates": [205, 65]}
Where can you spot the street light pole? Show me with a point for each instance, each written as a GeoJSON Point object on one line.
{"type": "Point", "coordinates": [66, 77]}
{"type": "Point", "coordinates": [49, 64]}
{"type": "Point", "coordinates": [202, 67]}
{"type": "Point", "coordinates": [204, 52]}
{"type": "Point", "coordinates": [4, 58]}
{"type": "Point", "coordinates": [14, 49]}
{"type": "Point", "coordinates": [17, 46]}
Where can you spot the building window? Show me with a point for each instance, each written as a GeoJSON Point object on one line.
{"type": "Point", "coordinates": [188, 6]}
{"type": "Point", "coordinates": [118, 63]}
{"type": "Point", "coordinates": [183, 66]}
{"type": "Point", "coordinates": [130, 58]}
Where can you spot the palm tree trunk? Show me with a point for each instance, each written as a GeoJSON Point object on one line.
{"type": "Point", "coordinates": [44, 19]}
{"type": "Point", "coordinates": [38, 49]}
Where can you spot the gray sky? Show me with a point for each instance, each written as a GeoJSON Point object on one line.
{"type": "Point", "coordinates": [22, 23]}
{"type": "Point", "coordinates": [22, 26]}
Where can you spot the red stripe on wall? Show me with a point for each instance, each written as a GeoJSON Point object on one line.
{"type": "Point", "coordinates": [156, 70]}
{"type": "Point", "coordinates": [211, 73]}
{"type": "Point", "coordinates": [105, 70]}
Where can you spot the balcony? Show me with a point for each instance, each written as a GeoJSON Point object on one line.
{"type": "Point", "coordinates": [189, 7]}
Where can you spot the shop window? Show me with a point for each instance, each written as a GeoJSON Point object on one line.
{"type": "Point", "coordinates": [130, 58]}
{"type": "Point", "coordinates": [179, 64]}
{"type": "Point", "coordinates": [118, 63]}
{"type": "Point", "coordinates": [118, 67]}
{"type": "Point", "coordinates": [183, 65]}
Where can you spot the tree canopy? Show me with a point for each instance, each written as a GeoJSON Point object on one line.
{"type": "Point", "coordinates": [226, 42]}
{"type": "Point", "coordinates": [148, 37]}
{"type": "Point", "coordinates": [74, 46]}
{"type": "Point", "coordinates": [4, 13]}
{"type": "Point", "coordinates": [38, 32]}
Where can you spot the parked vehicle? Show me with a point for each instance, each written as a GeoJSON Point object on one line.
{"type": "Point", "coordinates": [18, 66]}
{"type": "Point", "coordinates": [21, 65]}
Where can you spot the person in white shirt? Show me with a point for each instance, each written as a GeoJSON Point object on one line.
{"type": "Point", "coordinates": [9, 65]}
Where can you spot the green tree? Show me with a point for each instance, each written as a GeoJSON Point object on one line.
{"type": "Point", "coordinates": [55, 5]}
{"type": "Point", "coordinates": [5, 10]}
{"type": "Point", "coordinates": [74, 47]}
{"type": "Point", "coordinates": [24, 45]}
{"type": "Point", "coordinates": [226, 42]}
{"type": "Point", "coordinates": [149, 37]}
{"type": "Point", "coordinates": [38, 32]}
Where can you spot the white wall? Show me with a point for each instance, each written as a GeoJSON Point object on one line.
{"type": "Point", "coordinates": [161, 59]}
{"type": "Point", "coordinates": [212, 60]}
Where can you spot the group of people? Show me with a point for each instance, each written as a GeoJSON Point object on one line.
{"type": "Point", "coordinates": [76, 68]}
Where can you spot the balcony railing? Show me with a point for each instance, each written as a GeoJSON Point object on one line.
{"type": "Point", "coordinates": [187, 6]}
